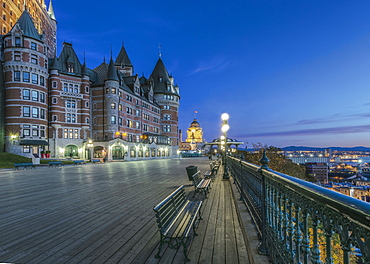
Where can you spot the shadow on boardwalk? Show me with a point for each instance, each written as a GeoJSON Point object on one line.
{"type": "Point", "coordinates": [103, 213]}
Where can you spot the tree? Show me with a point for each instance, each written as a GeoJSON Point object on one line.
{"type": "Point", "coordinates": [278, 162]}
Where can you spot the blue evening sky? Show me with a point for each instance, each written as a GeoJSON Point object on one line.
{"type": "Point", "coordinates": [287, 72]}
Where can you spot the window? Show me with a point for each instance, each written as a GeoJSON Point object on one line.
{"type": "Point", "coordinates": [17, 56]}
{"type": "Point", "coordinates": [113, 119]}
{"type": "Point", "coordinates": [71, 133]}
{"type": "Point", "coordinates": [166, 107]}
{"type": "Point", "coordinates": [65, 87]}
{"type": "Point", "coordinates": [55, 118]}
{"type": "Point", "coordinates": [35, 78]}
{"type": "Point", "coordinates": [86, 89]}
{"type": "Point", "coordinates": [160, 79]}
{"type": "Point", "coordinates": [65, 133]}
{"type": "Point", "coordinates": [54, 84]}
{"type": "Point", "coordinates": [26, 76]}
{"type": "Point", "coordinates": [73, 118]}
{"type": "Point", "coordinates": [17, 76]}
{"type": "Point", "coordinates": [17, 42]}
{"type": "Point", "coordinates": [35, 95]}
{"type": "Point", "coordinates": [33, 46]}
{"type": "Point", "coordinates": [70, 103]}
{"type": "Point", "coordinates": [35, 112]}
{"type": "Point", "coordinates": [145, 127]}
{"type": "Point", "coordinates": [120, 107]}
{"type": "Point", "coordinates": [137, 124]}
{"type": "Point", "coordinates": [33, 58]}
{"type": "Point", "coordinates": [113, 90]}
{"type": "Point", "coordinates": [42, 131]}
{"type": "Point", "coordinates": [113, 105]}
{"type": "Point", "coordinates": [26, 95]}
{"type": "Point", "coordinates": [167, 128]}
{"type": "Point", "coordinates": [87, 120]}
{"type": "Point", "coordinates": [68, 118]}
{"type": "Point", "coordinates": [70, 88]}
{"type": "Point", "coordinates": [107, 91]}
{"type": "Point", "coordinates": [167, 117]}
{"type": "Point", "coordinates": [120, 121]}
{"type": "Point", "coordinates": [54, 100]}
{"type": "Point", "coordinates": [42, 81]}
{"type": "Point", "coordinates": [26, 111]}
{"type": "Point", "coordinates": [35, 131]}
{"type": "Point", "coordinates": [76, 90]}
{"type": "Point", "coordinates": [26, 149]}
{"type": "Point", "coordinates": [86, 104]}
{"type": "Point", "coordinates": [42, 113]}
{"type": "Point", "coordinates": [76, 133]}
{"type": "Point", "coordinates": [42, 97]}
{"type": "Point", "coordinates": [26, 132]}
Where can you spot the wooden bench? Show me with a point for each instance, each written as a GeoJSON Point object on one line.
{"type": "Point", "coordinates": [55, 164]}
{"type": "Point", "coordinates": [76, 162]}
{"type": "Point", "coordinates": [176, 216]}
{"type": "Point", "coordinates": [211, 174]}
{"type": "Point", "coordinates": [201, 184]}
{"type": "Point", "coordinates": [96, 160]}
{"type": "Point", "coordinates": [24, 165]}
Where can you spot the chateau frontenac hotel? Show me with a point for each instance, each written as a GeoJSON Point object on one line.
{"type": "Point", "coordinates": [57, 106]}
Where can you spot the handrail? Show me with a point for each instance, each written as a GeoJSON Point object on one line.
{"type": "Point", "coordinates": [301, 222]}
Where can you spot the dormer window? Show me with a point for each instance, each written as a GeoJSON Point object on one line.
{"type": "Point", "coordinates": [168, 88]}
{"type": "Point", "coordinates": [160, 79]}
{"type": "Point", "coordinates": [71, 67]}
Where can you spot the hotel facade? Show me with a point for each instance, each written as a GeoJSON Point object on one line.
{"type": "Point", "coordinates": [57, 107]}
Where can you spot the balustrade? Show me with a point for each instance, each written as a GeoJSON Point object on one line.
{"type": "Point", "coordinates": [301, 222]}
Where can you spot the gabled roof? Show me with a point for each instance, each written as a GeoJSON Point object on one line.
{"type": "Point", "coordinates": [123, 58]}
{"type": "Point", "coordinates": [25, 22]}
{"type": "Point", "coordinates": [68, 56]}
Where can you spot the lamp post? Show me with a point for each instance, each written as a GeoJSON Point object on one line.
{"type": "Point", "coordinates": [90, 145]}
{"type": "Point", "coordinates": [224, 128]}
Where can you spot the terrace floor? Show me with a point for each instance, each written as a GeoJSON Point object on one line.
{"type": "Point", "coordinates": [103, 213]}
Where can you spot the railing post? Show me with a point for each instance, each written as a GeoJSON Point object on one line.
{"type": "Point", "coordinates": [262, 248]}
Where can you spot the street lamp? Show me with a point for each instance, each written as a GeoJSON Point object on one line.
{"type": "Point", "coordinates": [90, 145]}
{"type": "Point", "coordinates": [224, 128]}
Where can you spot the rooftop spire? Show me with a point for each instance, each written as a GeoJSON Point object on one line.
{"type": "Point", "coordinates": [51, 10]}
{"type": "Point", "coordinates": [160, 50]}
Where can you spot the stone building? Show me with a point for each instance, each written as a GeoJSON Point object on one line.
{"type": "Point", "coordinates": [57, 104]}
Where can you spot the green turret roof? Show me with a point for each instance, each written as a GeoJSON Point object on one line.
{"type": "Point", "coordinates": [25, 22]}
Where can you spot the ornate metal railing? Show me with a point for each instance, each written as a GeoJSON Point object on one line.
{"type": "Point", "coordinates": [300, 222]}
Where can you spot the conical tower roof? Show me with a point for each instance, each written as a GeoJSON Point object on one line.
{"type": "Point", "coordinates": [51, 10]}
{"type": "Point", "coordinates": [161, 78]}
{"type": "Point", "coordinates": [55, 64]}
{"type": "Point", "coordinates": [25, 22]}
{"type": "Point", "coordinates": [112, 71]}
{"type": "Point", "coordinates": [123, 58]}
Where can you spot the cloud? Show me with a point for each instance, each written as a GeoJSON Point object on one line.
{"type": "Point", "coordinates": [315, 131]}
{"type": "Point", "coordinates": [214, 65]}
{"type": "Point", "coordinates": [333, 118]}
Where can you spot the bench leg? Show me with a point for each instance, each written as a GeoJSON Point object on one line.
{"type": "Point", "coordinates": [158, 255]}
{"type": "Point", "coordinates": [184, 242]}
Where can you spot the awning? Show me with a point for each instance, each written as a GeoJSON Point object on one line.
{"type": "Point", "coordinates": [31, 142]}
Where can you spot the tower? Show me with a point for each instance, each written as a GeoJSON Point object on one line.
{"type": "Point", "coordinates": [167, 95]}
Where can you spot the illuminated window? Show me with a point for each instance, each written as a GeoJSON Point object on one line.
{"type": "Point", "coordinates": [71, 67]}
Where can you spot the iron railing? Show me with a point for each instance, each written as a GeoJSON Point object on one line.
{"type": "Point", "coordinates": [301, 222]}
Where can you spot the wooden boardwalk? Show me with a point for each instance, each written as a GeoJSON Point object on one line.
{"type": "Point", "coordinates": [103, 213]}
